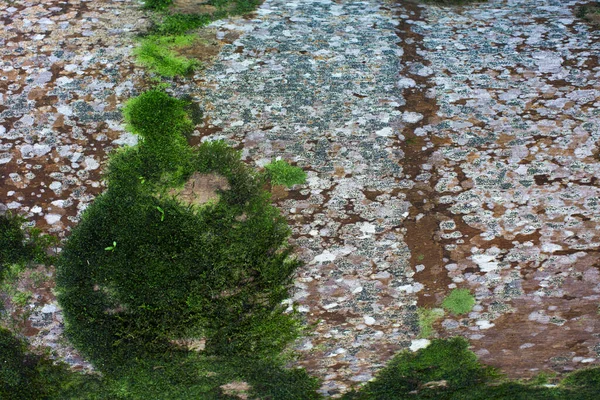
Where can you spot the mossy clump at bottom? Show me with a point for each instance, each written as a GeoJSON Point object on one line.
{"type": "Point", "coordinates": [21, 246]}
{"type": "Point", "coordinates": [144, 269]}
{"type": "Point", "coordinates": [590, 12]}
{"type": "Point", "coordinates": [448, 370]}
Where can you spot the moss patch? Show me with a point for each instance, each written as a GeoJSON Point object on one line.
{"type": "Point", "coordinates": [459, 301]}
{"type": "Point", "coordinates": [427, 317]}
{"type": "Point", "coordinates": [448, 370]}
{"type": "Point", "coordinates": [282, 173]}
{"type": "Point", "coordinates": [159, 55]}
{"type": "Point", "coordinates": [144, 268]}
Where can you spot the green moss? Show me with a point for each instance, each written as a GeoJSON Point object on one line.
{"type": "Point", "coordinates": [158, 53]}
{"type": "Point", "coordinates": [28, 376]}
{"type": "Point", "coordinates": [162, 122]}
{"type": "Point", "coordinates": [219, 271]}
{"type": "Point", "coordinates": [459, 301]}
{"type": "Point", "coordinates": [179, 24]}
{"type": "Point", "coordinates": [157, 4]}
{"type": "Point", "coordinates": [20, 247]}
{"type": "Point", "coordinates": [427, 317]}
{"type": "Point", "coordinates": [451, 2]}
{"type": "Point", "coordinates": [590, 13]}
{"type": "Point", "coordinates": [448, 370]}
{"type": "Point", "coordinates": [282, 173]}
{"type": "Point", "coordinates": [409, 375]}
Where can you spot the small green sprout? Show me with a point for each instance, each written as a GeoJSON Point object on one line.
{"type": "Point", "coordinates": [162, 213]}
{"type": "Point", "coordinates": [111, 248]}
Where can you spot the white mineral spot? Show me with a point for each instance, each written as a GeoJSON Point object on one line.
{"type": "Point", "coordinates": [5, 158]}
{"type": "Point", "coordinates": [406, 83]}
{"type": "Point", "coordinates": [588, 360]}
{"type": "Point", "coordinates": [419, 344]}
{"type": "Point", "coordinates": [13, 204]}
{"type": "Point", "coordinates": [357, 290]}
{"type": "Point", "coordinates": [324, 257]}
{"type": "Point", "coordinates": [484, 324]}
{"type": "Point", "coordinates": [65, 110]}
{"type": "Point", "coordinates": [237, 123]}
{"type": "Point", "coordinates": [41, 149]}
{"type": "Point", "coordinates": [384, 132]}
{"type": "Point", "coordinates": [425, 71]}
{"type": "Point", "coordinates": [127, 139]}
{"type": "Point", "coordinates": [411, 117]}
{"type": "Point", "coordinates": [58, 203]}
{"type": "Point", "coordinates": [330, 306]}
{"type": "Point", "coordinates": [36, 209]}
{"type": "Point", "coordinates": [367, 229]}
{"type": "Point", "coordinates": [54, 186]}
{"type": "Point", "coordinates": [485, 262]}
{"type": "Point", "coordinates": [90, 163]}
{"type": "Point", "coordinates": [369, 320]}
{"type": "Point", "coordinates": [49, 309]}
{"type": "Point", "coordinates": [63, 80]}
{"type": "Point", "coordinates": [420, 267]}
{"type": "Point", "coordinates": [526, 345]}
{"type": "Point", "coordinates": [551, 247]}
{"type": "Point", "coordinates": [52, 218]}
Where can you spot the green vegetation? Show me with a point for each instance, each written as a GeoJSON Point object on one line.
{"type": "Point", "coordinates": [282, 173]}
{"type": "Point", "coordinates": [158, 53]}
{"type": "Point", "coordinates": [459, 301]}
{"type": "Point", "coordinates": [157, 4]}
{"type": "Point", "coordinates": [145, 268]}
{"type": "Point", "coordinates": [427, 317]}
{"type": "Point", "coordinates": [178, 375]}
{"type": "Point", "coordinates": [445, 366]}
{"type": "Point", "coordinates": [451, 2]}
{"type": "Point", "coordinates": [28, 376]}
{"type": "Point", "coordinates": [448, 370]}
{"type": "Point", "coordinates": [590, 13]}
{"type": "Point", "coordinates": [20, 247]}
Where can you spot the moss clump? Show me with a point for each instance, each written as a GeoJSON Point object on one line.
{"type": "Point", "coordinates": [451, 2]}
{"type": "Point", "coordinates": [179, 24]}
{"type": "Point", "coordinates": [449, 363]}
{"type": "Point", "coordinates": [282, 173]}
{"type": "Point", "coordinates": [448, 370]}
{"type": "Point", "coordinates": [427, 318]}
{"type": "Point", "coordinates": [459, 301]}
{"type": "Point", "coordinates": [19, 247]}
{"type": "Point", "coordinates": [28, 376]}
{"type": "Point", "coordinates": [158, 53]}
{"type": "Point", "coordinates": [590, 13]}
{"type": "Point", "coordinates": [217, 272]}
{"type": "Point", "coordinates": [157, 4]}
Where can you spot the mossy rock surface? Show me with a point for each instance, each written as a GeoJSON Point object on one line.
{"type": "Point", "coordinates": [183, 245]}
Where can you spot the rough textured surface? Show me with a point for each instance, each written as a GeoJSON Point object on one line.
{"type": "Point", "coordinates": [65, 70]}
{"type": "Point", "coordinates": [445, 147]}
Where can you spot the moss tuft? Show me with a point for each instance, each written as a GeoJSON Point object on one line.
{"type": "Point", "coordinates": [158, 53]}
{"type": "Point", "coordinates": [217, 271]}
{"type": "Point", "coordinates": [459, 301]}
{"type": "Point", "coordinates": [282, 173]}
